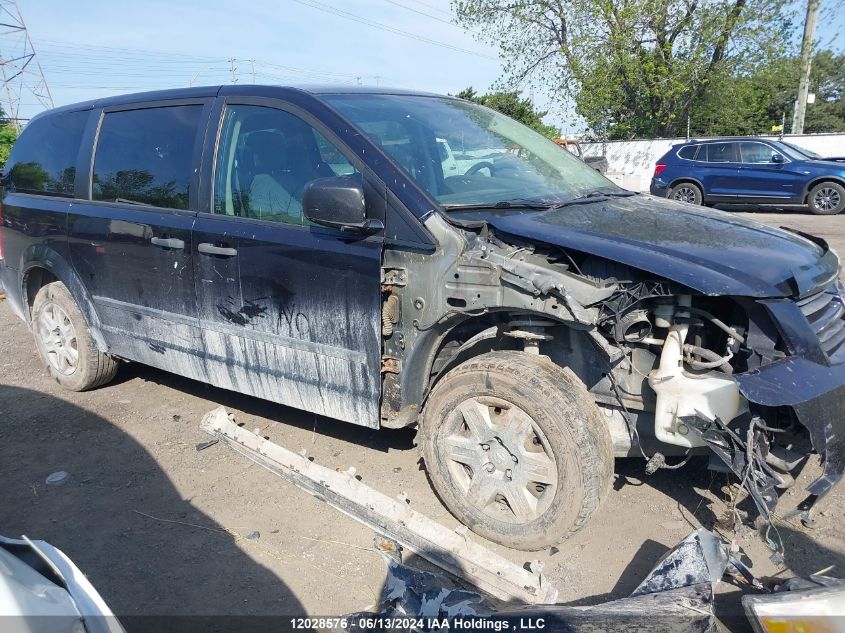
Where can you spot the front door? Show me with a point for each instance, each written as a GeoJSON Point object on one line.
{"type": "Point", "coordinates": [131, 242]}
{"type": "Point", "coordinates": [765, 180]}
{"type": "Point", "coordinates": [290, 311]}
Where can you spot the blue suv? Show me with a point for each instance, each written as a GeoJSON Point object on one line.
{"type": "Point", "coordinates": [750, 171]}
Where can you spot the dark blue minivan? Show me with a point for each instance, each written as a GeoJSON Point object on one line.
{"type": "Point", "coordinates": [750, 171]}
{"type": "Point", "coordinates": [316, 248]}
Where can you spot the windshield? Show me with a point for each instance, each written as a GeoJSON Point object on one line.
{"type": "Point", "coordinates": [801, 151]}
{"type": "Point", "coordinates": [464, 154]}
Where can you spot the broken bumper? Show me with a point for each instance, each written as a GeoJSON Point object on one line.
{"type": "Point", "coordinates": [817, 395]}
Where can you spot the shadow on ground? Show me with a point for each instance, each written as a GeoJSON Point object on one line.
{"type": "Point", "coordinates": [94, 518]}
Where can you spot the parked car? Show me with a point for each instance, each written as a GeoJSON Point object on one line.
{"type": "Point", "coordinates": [528, 316]}
{"type": "Point", "coordinates": [750, 171]}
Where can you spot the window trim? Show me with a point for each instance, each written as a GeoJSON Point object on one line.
{"type": "Point", "coordinates": [773, 150]}
{"type": "Point", "coordinates": [196, 155]}
{"type": "Point", "coordinates": [209, 177]}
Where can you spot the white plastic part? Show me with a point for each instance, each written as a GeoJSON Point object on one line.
{"type": "Point", "coordinates": [680, 393]}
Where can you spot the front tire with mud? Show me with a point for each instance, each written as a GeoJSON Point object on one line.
{"type": "Point", "coordinates": [516, 449]}
{"type": "Point", "coordinates": [64, 342]}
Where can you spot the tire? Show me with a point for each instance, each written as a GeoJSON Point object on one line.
{"type": "Point", "coordinates": [64, 342]}
{"type": "Point", "coordinates": [826, 198]}
{"type": "Point", "coordinates": [686, 192]}
{"type": "Point", "coordinates": [538, 416]}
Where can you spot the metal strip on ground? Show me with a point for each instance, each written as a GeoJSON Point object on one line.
{"type": "Point", "coordinates": [436, 543]}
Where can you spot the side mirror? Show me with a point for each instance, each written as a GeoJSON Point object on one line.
{"type": "Point", "coordinates": [338, 202]}
{"type": "Point", "coordinates": [777, 158]}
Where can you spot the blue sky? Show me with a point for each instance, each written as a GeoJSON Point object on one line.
{"type": "Point", "coordinates": [96, 48]}
{"type": "Point", "coordinates": [88, 49]}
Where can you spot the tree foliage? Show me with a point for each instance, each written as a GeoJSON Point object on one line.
{"type": "Point", "coordinates": [514, 106]}
{"type": "Point", "coordinates": [632, 67]}
{"type": "Point", "coordinates": [8, 136]}
{"type": "Point", "coordinates": [751, 103]}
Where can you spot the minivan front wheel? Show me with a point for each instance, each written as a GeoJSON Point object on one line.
{"type": "Point", "coordinates": [827, 198]}
{"type": "Point", "coordinates": [64, 342]}
{"type": "Point", "coordinates": [516, 449]}
{"type": "Point", "coordinates": [686, 192]}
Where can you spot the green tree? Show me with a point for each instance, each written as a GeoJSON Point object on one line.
{"type": "Point", "coordinates": [633, 67]}
{"type": "Point", "coordinates": [753, 102]}
{"type": "Point", "coordinates": [8, 136]}
{"type": "Point", "coordinates": [514, 106]}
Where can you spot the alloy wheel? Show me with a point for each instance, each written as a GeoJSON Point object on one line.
{"type": "Point", "coordinates": [826, 199]}
{"type": "Point", "coordinates": [500, 459]}
{"type": "Point", "coordinates": [684, 194]}
{"type": "Point", "coordinates": [58, 338]}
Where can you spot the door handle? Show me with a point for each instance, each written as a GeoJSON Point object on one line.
{"type": "Point", "coordinates": [168, 242]}
{"type": "Point", "coordinates": [207, 248]}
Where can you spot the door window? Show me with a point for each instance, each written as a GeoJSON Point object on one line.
{"type": "Point", "coordinates": [145, 156]}
{"type": "Point", "coordinates": [264, 160]}
{"type": "Point", "coordinates": [720, 153]}
{"type": "Point", "coordinates": [43, 160]}
{"type": "Point", "coordinates": [756, 153]}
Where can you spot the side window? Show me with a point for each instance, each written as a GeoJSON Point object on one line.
{"type": "Point", "coordinates": [264, 160]}
{"type": "Point", "coordinates": [720, 153]}
{"type": "Point", "coordinates": [145, 156]}
{"type": "Point", "coordinates": [688, 152]}
{"type": "Point", "coordinates": [43, 161]}
{"type": "Point", "coordinates": [756, 153]}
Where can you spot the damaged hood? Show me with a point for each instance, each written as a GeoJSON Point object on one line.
{"type": "Point", "coordinates": [710, 251]}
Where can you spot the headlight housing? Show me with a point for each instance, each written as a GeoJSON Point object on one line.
{"type": "Point", "coordinates": [811, 611]}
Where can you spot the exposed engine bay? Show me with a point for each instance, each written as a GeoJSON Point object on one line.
{"type": "Point", "coordinates": [676, 371]}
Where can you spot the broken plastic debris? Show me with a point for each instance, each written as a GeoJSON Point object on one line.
{"type": "Point", "coordinates": [253, 535]}
{"type": "Point", "coordinates": [204, 445]}
{"type": "Point", "coordinates": [699, 558]}
{"type": "Point", "coordinates": [57, 478]}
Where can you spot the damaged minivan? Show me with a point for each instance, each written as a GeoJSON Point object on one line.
{"type": "Point", "coordinates": [317, 248]}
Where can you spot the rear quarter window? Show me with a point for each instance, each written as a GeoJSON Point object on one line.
{"type": "Point", "coordinates": [43, 160]}
{"type": "Point", "coordinates": [688, 152]}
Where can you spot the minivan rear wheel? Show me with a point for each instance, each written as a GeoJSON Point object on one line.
{"type": "Point", "coordinates": [686, 192]}
{"type": "Point", "coordinates": [64, 342]}
{"type": "Point", "coordinates": [827, 198]}
{"type": "Point", "coordinates": [516, 449]}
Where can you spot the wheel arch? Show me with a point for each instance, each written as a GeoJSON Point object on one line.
{"type": "Point", "coordinates": [464, 338]}
{"type": "Point", "coordinates": [44, 265]}
{"type": "Point", "coordinates": [817, 181]}
{"type": "Point", "coordinates": [688, 179]}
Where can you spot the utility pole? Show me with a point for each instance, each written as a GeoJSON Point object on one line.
{"type": "Point", "coordinates": [252, 65]}
{"type": "Point", "coordinates": [234, 69]}
{"type": "Point", "coordinates": [806, 60]}
{"type": "Point", "coordinates": [20, 69]}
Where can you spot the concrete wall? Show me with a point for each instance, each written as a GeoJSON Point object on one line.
{"type": "Point", "coordinates": [631, 163]}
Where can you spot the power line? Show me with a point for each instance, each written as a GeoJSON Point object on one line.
{"type": "Point", "coordinates": [418, 12]}
{"type": "Point", "coordinates": [321, 6]}
{"type": "Point", "coordinates": [431, 6]}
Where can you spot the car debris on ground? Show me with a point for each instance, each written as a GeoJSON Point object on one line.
{"type": "Point", "coordinates": [679, 594]}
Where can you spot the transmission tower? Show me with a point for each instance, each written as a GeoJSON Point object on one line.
{"type": "Point", "coordinates": [19, 68]}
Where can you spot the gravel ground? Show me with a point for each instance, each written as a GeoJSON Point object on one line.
{"type": "Point", "coordinates": [161, 528]}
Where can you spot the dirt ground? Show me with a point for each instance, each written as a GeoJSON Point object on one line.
{"type": "Point", "coordinates": [161, 528]}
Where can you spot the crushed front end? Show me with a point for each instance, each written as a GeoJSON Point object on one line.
{"type": "Point", "coordinates": [758, 382]}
